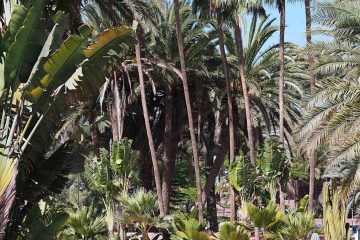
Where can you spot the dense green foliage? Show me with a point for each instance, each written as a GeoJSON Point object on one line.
{"type": "Point", "coordinates": [177, 119]}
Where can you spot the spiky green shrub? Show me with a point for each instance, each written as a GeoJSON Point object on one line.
{"type": "Point", "coordinates": [334, 213]}
{"type": "Point", "coordinates": [233, 231]}
{"type": "Point", "coordinates": [189, 229]}
{"type": "Point", "coordinates": [141, 209]}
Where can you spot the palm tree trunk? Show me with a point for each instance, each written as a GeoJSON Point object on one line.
{"type": "Point", "coordinates": [249, 123]}
{"type": "Point", "coordinates": [312, 164]}
{"type": "Point", "coordinates": [212, 211]}
{"type": "Point", "coordinates": [211, 197]}
{"type": "Point", "coordinates": [145, 236]}
{"type": "Point", "coordinates": [189, 110]}
{"type": "Point", "coordinates": [281, 88]}
{"type": "Point", "coordinates": [308, 42]}
{"type": "Point", "coordinates": [312, 156]}
{"type": "Point", "coordinates": [216, 166]}
{"type": "Point", "coordinates": [170, 149]}
{"type": "Point", "coordinates": [148, 129]}
{"type": "Point", "coordinates": [230, 111]}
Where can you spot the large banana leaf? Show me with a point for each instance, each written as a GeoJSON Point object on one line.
{"type": "Point", "coordinates": [61, 65]}
{"type": "Point", "coordinates": [52, 114]}
{"type": "Point", "coordinates": [53, 42]}
{"type": "Point", "coordinates": [110, 47]}
{"type": "Point", "coordinates": [26, 47]}
{"type": "Point", "coordinates": [33, 112]}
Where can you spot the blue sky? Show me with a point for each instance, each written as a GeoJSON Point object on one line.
{"type": "Point", "coordinates": [295, 21]}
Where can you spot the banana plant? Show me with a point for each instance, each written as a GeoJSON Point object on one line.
{"type": "Point", "coordinates": [272, 169]}
{"type": "Point", "coordinates": [42, 76]}
{"type": "Point", "coordinates": [109, 175]}
{"type": "Point", "coordinates": [43, 224]}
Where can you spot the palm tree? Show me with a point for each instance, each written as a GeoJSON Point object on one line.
{"type": "Point", "coordinates": [138, 10]}
{"type": "Point", "coordinates": [162, 57]}
{"type": "Point", "coordinates": [331, 117]}
{"type": "Point", "coordinates": [312, 156]}
{"type": "Point", "coordinates": [262, 70]}
{"type": "Point", "coordinates": [219, 27]}
{"type": "Point", "coordinates": [189, 109]}
{"type": "Point", "coordinates": [239, 8]}
{"type": "Point", "coordinates": [281, 4]}
{"type": "Point", "coordinates": [141, 208]}
{"type": "Point", "coordinates": [148, 128]}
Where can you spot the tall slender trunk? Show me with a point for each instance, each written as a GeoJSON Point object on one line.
{"type": "Point", "coordinates": [146, 169]}
{"type": "Point", "coordinates": [199, 99]}
{"type": "Point", "coordinates": [148, 128]}
{"type": "Point", "coordinates": [215, 169]}
{"type": "Point", "coordinates": [312, 155]}
{"type": "Point", "coordinates": [170, 149]}
{"type": "Point", "coordinates": [189, 110]}
{"type": "Point", "coordinates": [281, 89]}
{"type": "Point", "coordinates": [211, 197]}
{"type": "Point", "coordinates": [230, 111]}
{"type": "Point", "coordinates": [312, 164]}
{"type": "Point", "coordinates": [212, 211]}
{"type": "Point", "coordinates": [249, 123]}
{"type": "Point", "coordinates": [308, 42]}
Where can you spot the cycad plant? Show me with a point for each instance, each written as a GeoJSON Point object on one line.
{"type": "Point", "coordinates": [141, 209]}
{"type": "Point", "coordinates": [41, 75]}
{"type": "Point", "coordinates": [189, 229]}
{"type": "Point", "coordinates": [85, 223]}
{"type": "Point", "coordinates": [267, 219]}
{"type": "Point", "coordinates": [231, 231]}
{"type": "Point", "coordinates": [297, 226]}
